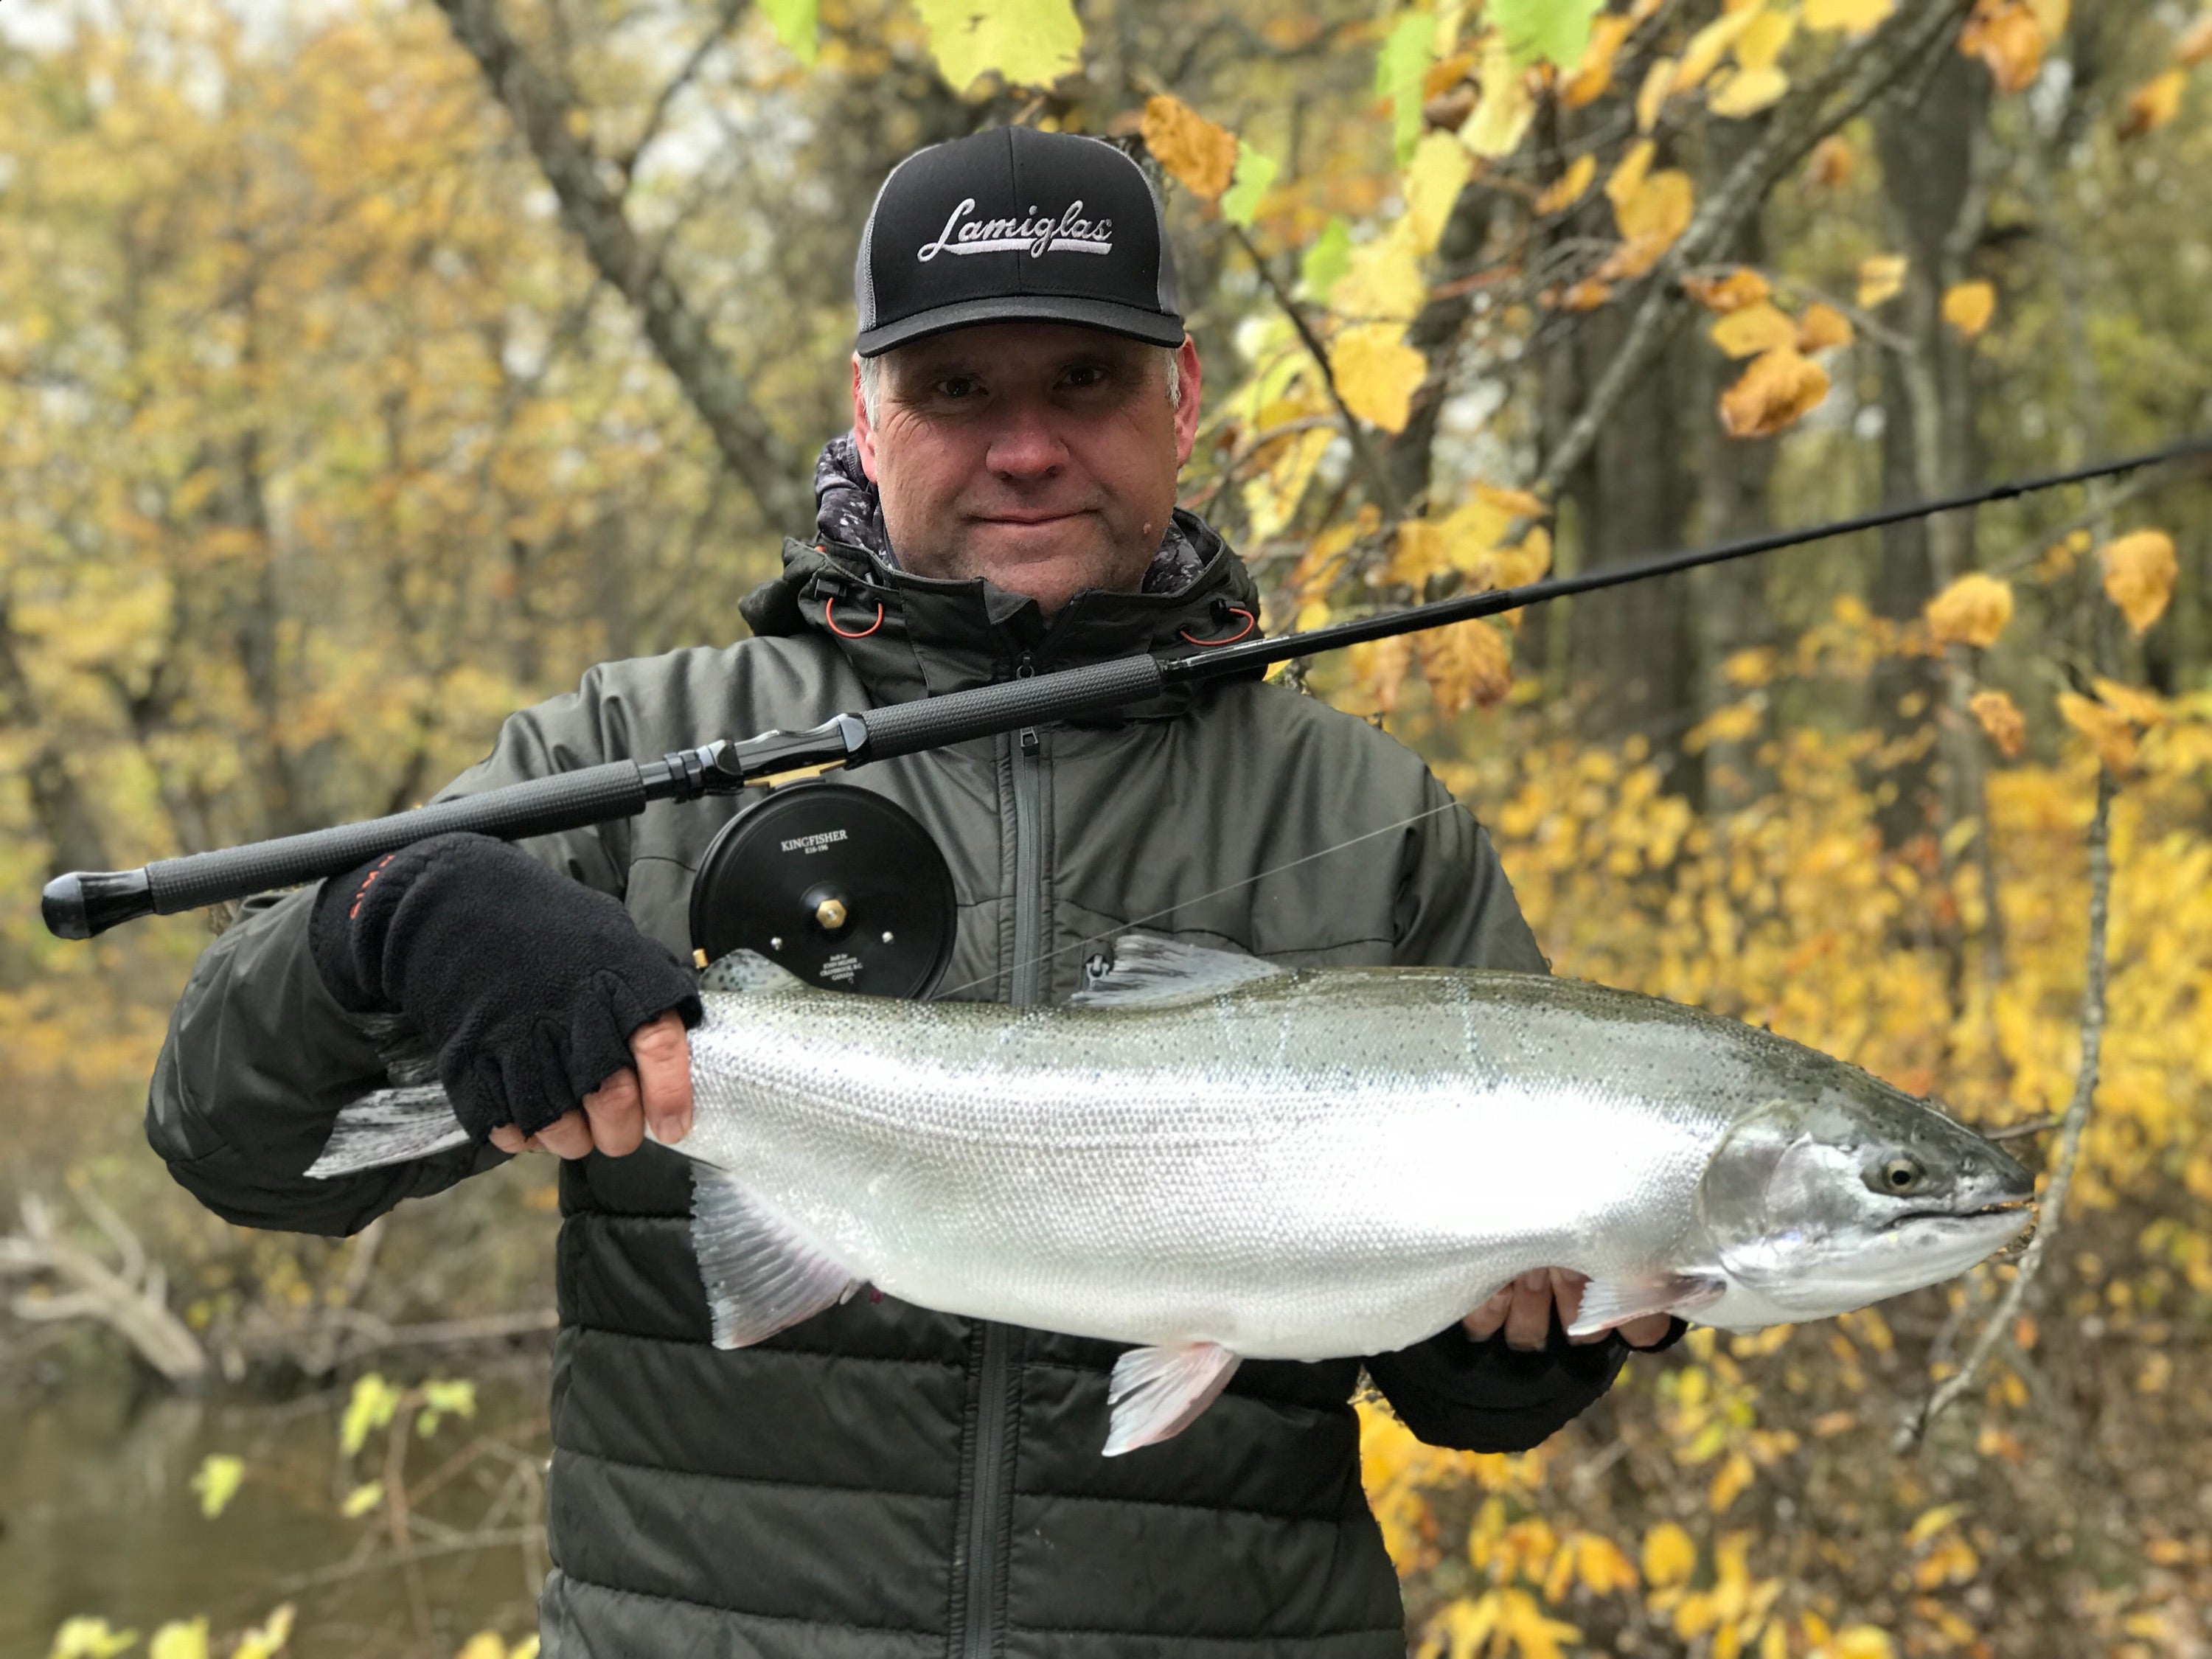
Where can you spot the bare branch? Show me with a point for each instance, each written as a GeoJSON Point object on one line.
{"type": "Point", "coordinates": [550, 119]}
{"type": "Point", "coordinates": [683, 78]}
{"type": "Point", "coordinates": [2070, 1139]}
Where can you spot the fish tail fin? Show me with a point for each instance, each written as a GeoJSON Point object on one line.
{"type": "Point", "coordinates": [392, 1126]}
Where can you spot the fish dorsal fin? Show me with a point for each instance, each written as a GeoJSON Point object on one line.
{"type": "Point", "coordinates": [762, 1274]}
{"type": "Point", "coordinates": [750, 974]}
{"type": "Point", "coordinates": [1149, 971]}
{"type": "Point", "coordinates": [1156, 1392]}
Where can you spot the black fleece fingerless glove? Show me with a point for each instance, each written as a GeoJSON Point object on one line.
{"type": "Point", "coordinates": [526, 983]}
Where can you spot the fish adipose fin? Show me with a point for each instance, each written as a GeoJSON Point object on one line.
{"type": "Point", "coordinates": [762, 1275]}
{"type": "Point", "coordinates": [1157, 1392]}
{"type": "Point", "coordinates": [392, 1126]}
{"type": "Point", "coordinates": [1149, 971]}
{"type": "Point", "coordinates": [1610, 1302]}
{"type": "Point", "coordinates": [749, 972]}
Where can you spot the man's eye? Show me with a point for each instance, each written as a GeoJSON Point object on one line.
{"type": "Point", "coordinates": [1087, 376]}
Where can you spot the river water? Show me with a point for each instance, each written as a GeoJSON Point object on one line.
{"type": "Point", "coordinates": [98, 1518]}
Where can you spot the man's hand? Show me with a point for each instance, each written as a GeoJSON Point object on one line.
{"type": "Point", "coordinates": [613, 1119]}
{"type": "Point", "coordinates": [1524, 1310]}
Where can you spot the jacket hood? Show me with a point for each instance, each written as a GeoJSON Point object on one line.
{"type": "Point", "coordinates": [910, 636]}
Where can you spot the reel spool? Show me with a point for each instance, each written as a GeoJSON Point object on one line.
{"type": "Point", "coordinates": [830, 882]}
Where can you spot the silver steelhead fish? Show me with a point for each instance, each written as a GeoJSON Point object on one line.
{"type": "Point", "coordinates": [1215, 1157]}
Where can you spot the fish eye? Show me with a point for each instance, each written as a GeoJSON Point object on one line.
{"type": "Point", "coordinates": [1897, 1176]}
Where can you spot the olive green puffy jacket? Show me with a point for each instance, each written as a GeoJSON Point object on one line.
{"type": "Point", "coordinates": [881, 1480]}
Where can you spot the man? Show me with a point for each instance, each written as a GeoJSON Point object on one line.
{"type": "Point", "coordinates": [882, 1479]}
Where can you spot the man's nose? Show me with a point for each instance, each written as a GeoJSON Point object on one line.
{"type": "Point", "coordinates": [1027, 444]}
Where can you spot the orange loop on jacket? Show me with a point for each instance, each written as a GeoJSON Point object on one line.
{"type": "Point", "coordinates": [1250, 623]}
{"type": "Point", "coordinates": [830, 616]}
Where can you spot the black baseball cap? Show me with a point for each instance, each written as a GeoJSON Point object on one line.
{"type": "Point", "coordinates": [1012, 224]}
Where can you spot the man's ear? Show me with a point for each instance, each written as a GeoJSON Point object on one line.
{"type": "Point", "coordinates": [1186, 416]}
{"type": "Point", "coordinates": [864, 433]}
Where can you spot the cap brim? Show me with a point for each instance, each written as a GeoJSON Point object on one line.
{"type": "Point", "coordinates": [1132, 321]}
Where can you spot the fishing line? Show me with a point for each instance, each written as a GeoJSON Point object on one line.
{"type": "Point", "coordinates": [943, 992]}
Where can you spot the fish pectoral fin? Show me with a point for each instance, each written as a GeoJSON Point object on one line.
{"type": "Point", "coordinates": [762, 1274]}
{"type": "Point", "coordinates": [1610, 1302]}
{"type": "Point", "coordinates": [1151, 971]}
{"type": "Point", "coordinates": [1157, 1392]}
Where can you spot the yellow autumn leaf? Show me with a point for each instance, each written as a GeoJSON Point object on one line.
{"type": "Point", "coordinates": [1602, 1566]}
{"type": "Point", "coordinates": [370, 1406]}
{"type": "Point", "coordinates": [1862, 1642]}
{"type": "Point", "coordinates": [1854, 16]}
{"type": "Point", "coordinates": [266, 1639]}
{"type": "Point", "coordinates": [217, 1482]}
{"type": "Point", "coordinates": [1755, 328]}
{"type": "Point", "coordinates": [1501, 119]}
{"type": "Point", "coordinates": [1702, 55]}
{"type": "Point", "coordinates": [1376, 374]}
{"type": "Point", "coordinates": [1669, 1556]}
{"type": "Point", "coordinates": [1747, 92]}
{"type": "Point", "coordinates": [2005, 36]}
{"type": "Point", "coordinates": [1570, 186]}
{"type": "Point", "coordinates": [1761, 45]}
{"type": "Point", "coordinates": [1419, 552]}
{"type": "Point", "coordinates": [1880, 277]}
{"type": "Point", "coordinates": [2109, 732]}
{"type": "Point", "coordinates": [179, 1638]}
{"type": "Point", "coordinates": [90, 1638]}
{"type": "Point", "coordinates": [361, 1499]}
{"type": "Point", "coordinates": [1968, 306]}
{"type": "Point", "coordinates": [2196, 42]}
{"type": "Point", "coordinates": [1593, 73]}
{"type": "Point", "coordinates": [1651, 217]}
{"type": "Point", "coordinates": [2139, 571]}
{"type": "Point", "coordinates": [1928, 1522]}
{"type": "Point", "coordinates": [1779, 388]}
{"type": "Point", "coordinates": [1729, 1482]}
{"type": "Point", "coordinates": [2051, 16]}
{"type": "Point", "coordinates": [1742, 287]}
{"type": "Point", "coordinates": [1197, 154]}
{"type": "Point", "coordinates": [1380, 666]}
{"type": "Point", "coordinates": [2141, 706]}
{"type": "Point", "coordinates": [2154, 103]}
{"type": "Point", "coordinates": [1030, 43]}
{"type": "Point", "coordinates": [1831, 164]}
{"type": "Point", "coordinates": [1468, 663]}
{"type": "Point", "coordinates": [1440, 167]}
{"type": "Point", "coordinates": [1381, 281]}
{"type": "Point", "coordinates": [1971, 610]}
{"type": "Point", "coordinates": [1822, 326]}
{"type": "Point", "coordinates": [1651, 97]}
{"type": "Point", "coordinates": [484, 1644]}
{"type": "Point", "coordinates": [1628, 173]}
{"type": "Point", "coordinates": [2000, 717]}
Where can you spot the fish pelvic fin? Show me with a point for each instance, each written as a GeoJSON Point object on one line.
{"type": "Point", "coordinates": [1151, 971]}
{"type": "Point", "coordinates": [749, 973]}
{"type": "Point", "coordinates": [1610, 1302]}
{"type": "Point", "coordinates": [392, 1126]}
{"type": "Point", "coordinates": [763, 1275]}
{"type": "Point", "coordinates": [1157, 1392]}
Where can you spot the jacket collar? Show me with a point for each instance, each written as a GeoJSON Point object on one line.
{"type": "Point", "coordinates": [910, 636]}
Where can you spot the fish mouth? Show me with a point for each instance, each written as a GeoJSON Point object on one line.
{"type": "Point", "coordinates": [2003, 1206]}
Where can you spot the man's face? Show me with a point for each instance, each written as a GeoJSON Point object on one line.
{"type": "Point", "coordinates": [1042, 456]}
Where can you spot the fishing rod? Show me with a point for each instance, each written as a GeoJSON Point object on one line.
{"type": "Point", "coordinates": [83, 904]}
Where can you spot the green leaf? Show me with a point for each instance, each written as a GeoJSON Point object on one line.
{"type": "Point", "coordinates": [361, 1499]}
{"type": "Point", "coordinates": [1031, 43]}
{"type": "Point", "coordinates": [1255, 174]}
{"type": "Point", "coordinates": [1399, 67]}
{"type": "Point", "coordinates": [1326, 261]}
{"type": "Point", "coordinates": [1554, 30]}
{"type": "Point", "coordinates": [371, 1407]}
{"type": "Point", "coordinates": [794, 23]}
{"type": "Point", "coordinates": [90, 1638]}
{"type": "Point", "coordinates": [217, 1482]}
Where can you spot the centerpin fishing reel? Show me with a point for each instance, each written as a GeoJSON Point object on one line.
{"type": "Point", "coordinates": [833, 883]}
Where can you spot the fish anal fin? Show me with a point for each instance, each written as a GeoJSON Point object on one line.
{"type": "Point", "coordinates": [1151, 971]}
{"type": "Point", "coordinates": [762, 1274]}
{"type": "Point", "coordinates": [1610, 1302]}
{"type": "Point", "coordinates": [1157, 1392]}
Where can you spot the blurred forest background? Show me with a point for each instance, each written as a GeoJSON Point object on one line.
{"type": "Point", "coordinates": [370, 368]}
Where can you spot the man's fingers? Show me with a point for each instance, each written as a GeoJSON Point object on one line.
{"type": "Point", "coordinates": [617, 1126]}
{"type": "Point", "coordinates": [508, 1139]}
{"type": "Point", "coordinates": [1528, 1322]}
{"type": "Point", "coordinates": [1482, 1324]}
{"type": "Point", "coordinates": [567, 1136]}
{"type": "Point", "coordinates": [663, 1073]}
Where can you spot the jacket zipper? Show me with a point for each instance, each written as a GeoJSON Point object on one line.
{"type": "Point", "coordinates": [990, 1482]}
